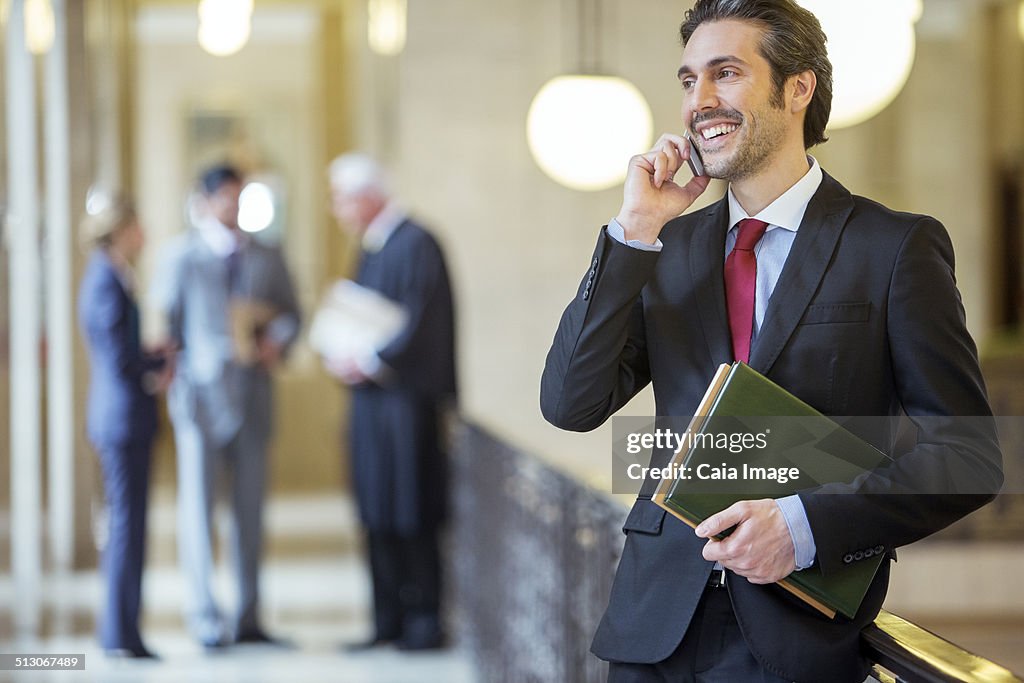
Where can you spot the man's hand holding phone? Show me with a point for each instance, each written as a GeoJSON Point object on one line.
{"type": "Point", "coordinates": [651, 195]}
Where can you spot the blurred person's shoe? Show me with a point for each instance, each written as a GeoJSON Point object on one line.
{"type": "Point", "coordinates": [366, 645]}
{"type": "Point", "coordinates": [421, 632]}
{"type": "Point", "coordinates": [215, 644]}
{"type": "Point", "coordinates": [261, 637]}
{"type": "Point", "coordinates": [434, 641]}
{"type": "Point", "coordinates": [139, 652]}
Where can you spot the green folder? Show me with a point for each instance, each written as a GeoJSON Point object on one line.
{"type": "Point", "coordinates": [794, 437]}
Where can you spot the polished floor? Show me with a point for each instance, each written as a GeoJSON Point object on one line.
{"type": "Point", "coordinates": [315, 594]}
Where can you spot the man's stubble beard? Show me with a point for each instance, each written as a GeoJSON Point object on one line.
{"type": "Point", "coordinates": [763, 132]}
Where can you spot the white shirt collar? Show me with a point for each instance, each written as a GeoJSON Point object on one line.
{"type": "Point", "coordinates": [222, 240]}
{"type": "Point", "coordinates": [382, 226]}
{"type": "Point", "coordinates": [788, 210]}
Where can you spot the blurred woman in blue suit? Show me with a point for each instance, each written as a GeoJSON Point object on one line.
{"type": "Point", "coordinates": [121, 414]}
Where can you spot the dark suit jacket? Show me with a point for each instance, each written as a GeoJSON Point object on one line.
{"type": "Point", "coordinates": [398, 461]}
{"type": "Point", "coordinates": [119, 411]}
{"type": "Point", "coordinates": [865, 320]}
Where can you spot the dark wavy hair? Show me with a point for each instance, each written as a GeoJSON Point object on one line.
{"type": "Point", "coordinates": [793, 42]}
{"type": "Point", "coordinates": [215, 177]}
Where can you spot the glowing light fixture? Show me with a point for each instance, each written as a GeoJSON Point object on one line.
{"type": "Point", "coordinates": [255, 207]}
{"type": "Point", "coordinates": [871, 45]}
{"type": "Point", "coordinates": [224, 25]}
{"type": "Point", "coordinates": [39, 26]}
{"type": "Point", "coordinates": [582, 129]}
{"type": "Point", "coordinates": [97, 200]}
{"type": "Point", "coordinates": [1020, 19]}
{"type": "Point", "coordinates": [385, 26]}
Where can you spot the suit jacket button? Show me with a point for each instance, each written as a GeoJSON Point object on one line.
{"type": "Point", "coordinates": [859, 555]}
{"type": "Point", "coordinates": [848, 558]}
{"type": "Point", "coordinates": [586, 294]}
{"type": "Point", "coordinates": [594, 264]}
{"type": "Point", "coordinates": [879, 549]}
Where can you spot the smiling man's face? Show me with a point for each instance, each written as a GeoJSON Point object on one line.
{"type": "Point", "coordinates": [730, 105]}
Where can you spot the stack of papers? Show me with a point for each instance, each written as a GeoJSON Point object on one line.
{"type": "Point", "coordinates": [355, 322]}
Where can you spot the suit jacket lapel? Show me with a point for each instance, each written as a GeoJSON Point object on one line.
{"type": "Point", "coordinates": [707, 262]}
{"type": "Point", "coordinates": [808, 260]}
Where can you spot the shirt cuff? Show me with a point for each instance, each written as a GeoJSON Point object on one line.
{"type": "Point", "coordinates": [804, 548]}
{"type": "Point", "coordinates": [618, 233]}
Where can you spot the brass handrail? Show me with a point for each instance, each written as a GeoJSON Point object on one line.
{"type": "Point", "coordinates": [914, 654]}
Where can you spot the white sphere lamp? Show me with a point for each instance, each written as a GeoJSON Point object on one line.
{"type": "Point", "coordinates": [582, 129]}
{"type": "Point", "coordinates": [871, 45]}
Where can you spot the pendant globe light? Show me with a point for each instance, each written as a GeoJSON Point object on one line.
{"type": "Point", "coordinates": [867, 77]}
{"type": "Point", "coordinates": [39, 26]}
{"type": "Point", "coordinates": [224, 25]}
{"type": "Point", "coordinates": [386, 26]}
{"type": "Point", "coordinates": [582, 128]}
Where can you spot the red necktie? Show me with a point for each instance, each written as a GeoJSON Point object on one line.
{"type": "Point", "coordinates": [740, 284]}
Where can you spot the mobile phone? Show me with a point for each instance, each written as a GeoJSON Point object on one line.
{"type": "Point", "coordinates": [695, 162]}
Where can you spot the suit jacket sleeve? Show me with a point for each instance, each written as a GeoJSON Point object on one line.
{"type": "Point", "coordinates": [106, 317]}
{"type": "Point", "coordinates": [284, 328]}
{"type": "Point", "coordinates": [422, 355]}
{"type": "Point", "coordinates": [598, 359]}
{"type": "Point", "coordinates": [166, 291]}
{"type": "Point", "coordinates": [955, 466]}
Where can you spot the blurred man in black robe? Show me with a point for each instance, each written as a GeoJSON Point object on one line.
{"type": "Point", "coordinates": [399, 394]}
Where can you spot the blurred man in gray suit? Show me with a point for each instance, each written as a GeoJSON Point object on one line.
{"type": "Point", "coordinates": [230, 306]}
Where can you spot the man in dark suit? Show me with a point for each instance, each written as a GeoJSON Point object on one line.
{"type": "Point", "coordinates": [399, 394]}
{"type": "Point", "coordinates": [848, 305]}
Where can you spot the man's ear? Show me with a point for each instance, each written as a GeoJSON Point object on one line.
{"type": "Point", "coordinates": [801, 87]}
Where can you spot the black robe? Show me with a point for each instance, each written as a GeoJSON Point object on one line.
{"type": "Point", "coordinates": [398, 461]}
